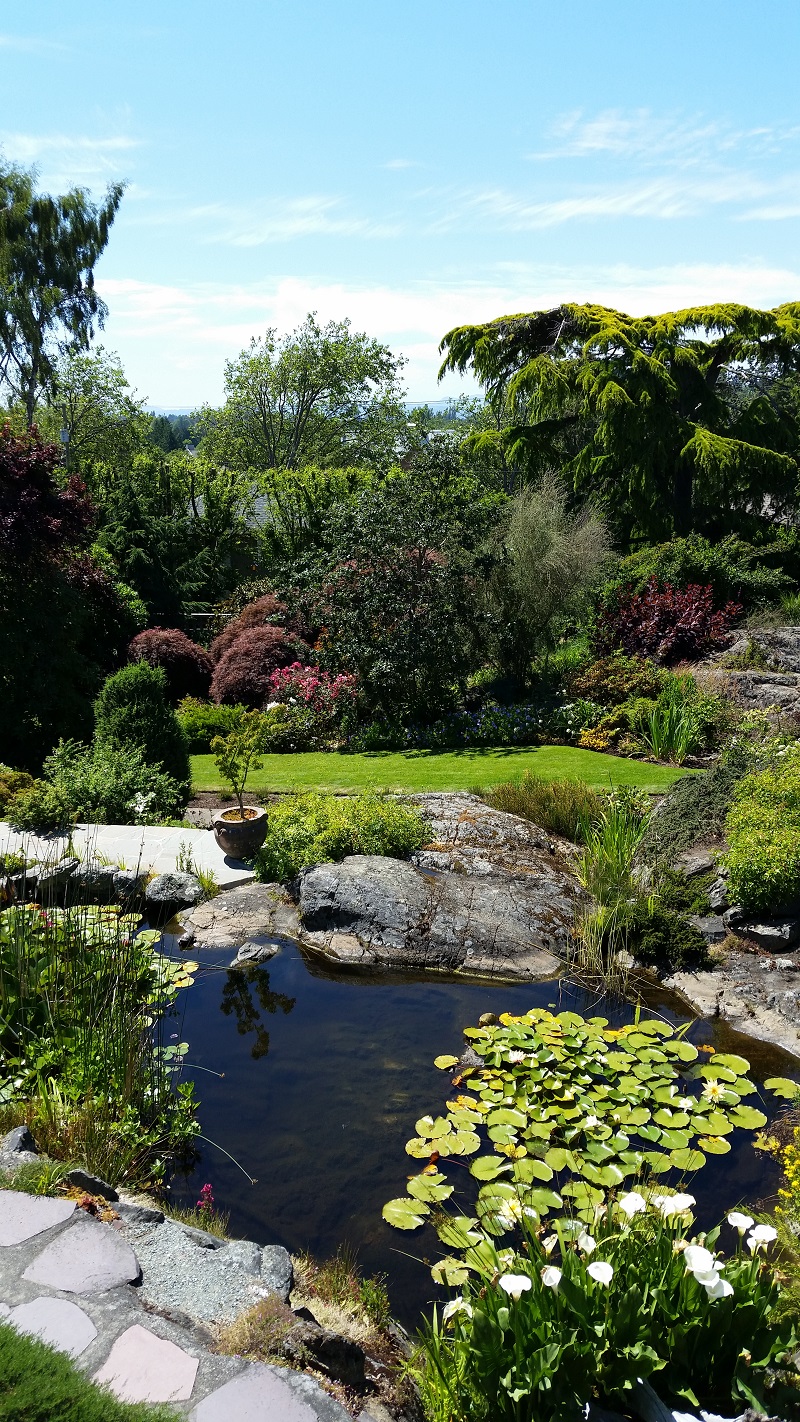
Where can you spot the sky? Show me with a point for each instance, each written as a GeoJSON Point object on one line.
{"type": "Point", "coordinates": [412, 167]}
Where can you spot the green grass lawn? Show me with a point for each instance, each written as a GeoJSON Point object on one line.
{"type": "Point", "coordinates": [438, 770]}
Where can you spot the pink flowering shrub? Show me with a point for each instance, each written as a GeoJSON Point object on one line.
{"type": "Point", "coordinates": [327, 697]}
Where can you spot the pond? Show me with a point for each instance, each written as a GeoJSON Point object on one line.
{"type": "Point", "coordinates": [322, 1079]}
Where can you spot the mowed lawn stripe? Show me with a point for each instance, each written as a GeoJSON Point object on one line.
{"type": "Point", "coordinates": [438, 770]}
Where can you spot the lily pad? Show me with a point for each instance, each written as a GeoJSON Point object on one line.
{"type": "Point", "coordinates": [444, 1063]}
{"type": "Point", "coordinates": [405, 1213]}
{"type": "Point", "coordinates": [488, 1167]}
{"type": "Point", "coordinates": [783, 1086]}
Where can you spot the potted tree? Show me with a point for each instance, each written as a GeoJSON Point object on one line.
{"type": "Point", "coordinates": [240, 831]}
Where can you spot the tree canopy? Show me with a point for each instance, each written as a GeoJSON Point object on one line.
{"type": "Point", "coordinates": [322, 395]}
{"type": "Point", "coordinates": [49, 247]}
{"type": "Point", "coordinates": [665, 419]}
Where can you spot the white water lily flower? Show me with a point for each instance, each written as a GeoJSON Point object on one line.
{"type": "Point", "coordinates": [586, 1243]}
{"type": "Point", "coordinates": [676, 1205]}
{"type": "Point", "coordinates": [515, 1057]}
{"type": "Point", "coordinates": [714, 1090]}
{"type": "Point", "coordinates": [514, 1284]}
{"type": "Point", "coordinates": [603, 1273]}
{"type": "Point", "coordinates": [591, 1121]}
{"type": "Point", "coordinates": [632, 1204]}
{"type": "Point", "coordinates": [509, 1214]}
{"type": "Point", "coordinates": [699, 1260]}
{"type": "Point", "coordinates": [549, 1244]}
{"type": "Point", "coordinates": [456, 1305]}
{"type": "Point", "coordinates": [551, 1277]}
{"type": "Point", "coordinates": [739, 1221]}
{"type": "Point", "coordinates": [720, 1289]}
{"type": "Point", "coordinates": [760, 1237]}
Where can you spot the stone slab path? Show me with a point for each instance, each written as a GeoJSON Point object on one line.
{"type": "Point", "coordinates": [77, 1284]}
{"type": "Point", "coordinates": [146, 847]}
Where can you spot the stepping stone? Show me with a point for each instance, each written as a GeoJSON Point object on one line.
{"type": "Point", "coordinates": [264, 1394]}
{"type": "Point", "coordinates": [87, 1258]}
{"type": "Point", "coordinates": [23, 1216]}
{"type": "Point", "coordinates": [56, 1321]}
{"type": "Point", "coordinates": [144, 1368]}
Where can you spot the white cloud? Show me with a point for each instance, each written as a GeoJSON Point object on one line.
{"type": "Point", "coordinates": [65, 159]}
{"type": "Point", "coordinates": [29, 44]}
{"type": "Point", "coordinates": [676, 138]}
{"type": "Point", "coordinates": [282, 220]}
{"type": "Point", "coordinates": [401, 163]}
{"type": "Point", "coordinates": [174, 340]}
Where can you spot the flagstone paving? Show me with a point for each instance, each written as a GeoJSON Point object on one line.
{"type": "Point", "coordinates": [50, 1252]}
{"type": "Point", "coordinates": [143, 847]}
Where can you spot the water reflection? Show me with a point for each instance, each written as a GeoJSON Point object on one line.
{"type": "Point", "coordinates": [238, 1001]}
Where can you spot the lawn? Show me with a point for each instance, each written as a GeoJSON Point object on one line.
{"type": "Point", "coordinates": [438, 770]}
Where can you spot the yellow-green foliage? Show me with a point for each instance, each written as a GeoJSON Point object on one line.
{"type": "Point", "coordinates": [315, 829]}
{"type": "Point", "coordinates": [763, 831]}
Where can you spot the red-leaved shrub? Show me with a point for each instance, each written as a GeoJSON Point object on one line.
{"type": "Point", "coordinates": [670, 624]}
{"type": "Point", "coordinates": [243, 672]}
{"type": "Point", "coordinates": [186, 666]}
{"type": "Point", "coordinates": [266, 611]}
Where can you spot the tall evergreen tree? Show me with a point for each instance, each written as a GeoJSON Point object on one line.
{"type": "Point", "coordinates": [663, 418]}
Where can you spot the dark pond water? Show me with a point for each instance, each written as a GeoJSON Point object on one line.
{"type": "Point", "coordinates": [324, 1077]}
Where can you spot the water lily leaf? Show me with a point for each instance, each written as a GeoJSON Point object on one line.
{"type": "Point", "coordinates": [430, 1129]}
{"type": "Point", "coordinates": [687, 1159]}
{"type": "Point", "coordinates": [716, 1123]}
{"type": "Point", "coordinates": [506, 1117]}
{"type": "Point", "coordinates": [405, 1213]}
{"type": "Point", "coordinates": [583, 1193]}
{"type": "Point", "coordinates": [636, 1116]}
{"type": "Point", "coordinates": [502, 1135]}
{"type": "Point", "coordinates": [445, 1062]}
{"type": "Point", "coordinates": [528, 1170]}
{"type": "Point", "coordinates": [732, 1062]}
{"type": "Point", "coordinates": [450, 1271]}
{"type": "Point", "coordinates": [488, 1167]}
{"type": "Point", "coordinates": [459, 1232]}
{"type": "Point", "coordinates": [560, 1159]}
{"type": "Point", "coordinates": [649, 1133]}
{"type": "Point", "coordinates": [618, 1060]}
{"type": "Point", "coordinates": [713, 1145]}
{"type": "Point", "coordinates": [423, 1187]}
{"type": "Point", "coordinates": [419, 1148]}
{"type": "Point", "coordinates": [783, 1086]}
{"type": "Point", "coordinates": [712, 1072]}
{"type": "Point", "coordinates": [673, 1120]}
{"type": "Point", "coordinates": [684, 1051]}
{"type": "Point", "coordinates": [748, 1117]}
{"type": "Point", "coordinates": [542, 1200]}
{"type": "Point", "coordinates": [676, 1140]}
{"type": "Point", "coordinates": [539, 1130]}
{"type": "Point", "coordinates": [658, 1162]}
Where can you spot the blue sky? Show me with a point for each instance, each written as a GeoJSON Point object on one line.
{"type": "Point", "coordinates": [410, 166]}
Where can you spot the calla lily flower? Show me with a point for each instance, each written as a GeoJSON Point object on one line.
{"type": "Point", "coordinates": [551, 1277]}
{"type": "Point", "coordinates": [676, 1205]}
{"type": "Point", "coordinates": [549, 1244]}
{"type": "Point", "coordinates": [740, 1222]}
{"type": "Point", "coordinates": [603, 1273]}
{"type": "Point", "coordinates": [514, 1284]}
{"type": "Point", "coordinates": [456, 1305]}
{"type": "Point", "coordinates": [760, 1237]}
{"type": "Point", "coordinates": [586, 1243]}
{"type": "Point", "coordinates": [699, 1260]}
{"type": "Point", "coordinates": [632, 1204]}
{"type": "Point", "coordinates": [720, 1289]}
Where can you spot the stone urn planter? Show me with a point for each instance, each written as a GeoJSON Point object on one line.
{"type": "Point", "coordinates": [237, 837]}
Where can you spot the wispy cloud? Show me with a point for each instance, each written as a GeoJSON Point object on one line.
{"type": "Point", "coordinates": [401, 163]}
{"type": "Point", "coordinates": [65, 158]}
{"type": "Point", "coordinates": [686, 140]}
{"type": "Point", "coordinates": [283, 220]}
{"type": "Point", "coordinates": [29, 44]}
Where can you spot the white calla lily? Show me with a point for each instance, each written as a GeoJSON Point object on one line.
{"type": "Point", "coordinates": [632, 1204]}
{"type": "Point", "coordinates": [676, 1205]}
{"type": "Point", "coordinates": [739, 1221]}
{"type": "Point", "coordinates": [720, 1289]}
{"type": "Point", "coordinates": [760, 1237]}
{"type": "Point", "coordinates": [699, 1260]}
{"type": "Point", "coordinates": [456, 1305]}
{"type": "Point", "coordinates": [549, 1243]}
{"type": "Point", "coordinates": [586, 1243]}
{"type": "Point", "coordinates": [601, 1272]}
{"type": "Point", "coordinates": [551, 1277]}
{"type": "Point", "coordinates": [514, 1284]}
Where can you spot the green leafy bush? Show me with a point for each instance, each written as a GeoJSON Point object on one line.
{"type": "Point", "coordinates": [11, 783]}
{"type": "Point", "coordinates": [682, 894]}
{"type": "Point", "coordinates": [41, 809]}
{"type": "Point", "coordinates": [132, 710]}
{"type": "Point", "coordinates": [615, 679]}
{"type": "Point", "coordinates": [38, 1384]}
{"type": "Point", "coordinates": [316, 829]}
{"type": "Point", "coordinates": [659, 937]}
{"type": "Point", "coordinates": [289, 728]}
{"type": "Point", "coordinates": [559, 806]}
{"type": "Point", "coordinates": [736, 571]}
{"type": "Point", "coordinates": [763, 831]}
{"type": "Point", "coordinates": [203, 720]}
{"type": "Point", "coordinates": [111, 786]}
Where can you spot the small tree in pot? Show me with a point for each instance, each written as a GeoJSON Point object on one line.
{"type": "Point", "coordinates": [240, 831]}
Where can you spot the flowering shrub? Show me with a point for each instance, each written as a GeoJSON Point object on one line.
{"type": "Point", "coordinates": [328, 698]}
{"type": "Point", "coordinates": [524, 724]}
{"type": "Point", "coordinates": [243, 672]}
{"type": "Point", "coordinates": [666, 623]}
{"type": "Point", "coordinates": [186, 666]}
